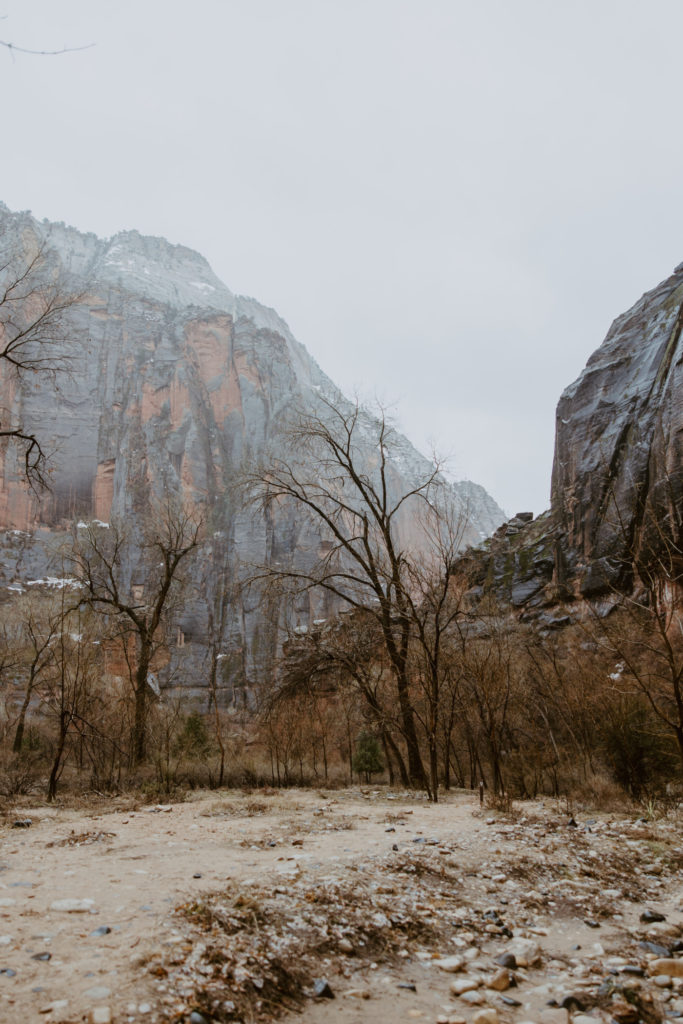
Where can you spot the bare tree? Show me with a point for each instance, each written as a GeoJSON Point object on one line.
{"type": "Point", "coordinates": [367, 561]}
{"type": "Point", "coordinates": [101, 561]}
{"type": "Point", "coordinates": [33, 328]}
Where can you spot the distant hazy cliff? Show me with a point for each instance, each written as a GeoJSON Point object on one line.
{"type": "Point", "coordinates": [175, 382]}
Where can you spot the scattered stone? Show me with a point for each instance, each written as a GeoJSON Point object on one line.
{"type": "Point", "coordinates": [473, 997]}
{"type": "Point", "coordinates": [361, 993]}
{"type": "Point", "coordinates": [69, 906]}
{"type": "Point", "coordinates": [526, 952]}
{"type": "Point", "coordinates": [197, 874]}
{"type": "Point", "coordinates": [23, 823]}
{"type": "Point", "coordinates": [8, 972]}
{"type": "Point", "coordinates": [198, 1018]}
{"type": "Point", "coordinates": [321, 989]}
{"type": "Point", "coordinates": [508, 960]}
{"type": "Point", "coordinates": [58, 1004]}
{"type": "Point", "coordinates": [509, 1001]}
{"type": "Point", "coordinates": [450, 964]}
{"type": "Point", "coordinates": [662, 981]}
{"type": "Point", "coordinates": [674, 968]}
{"type": "Point", "coordinates": [42, 956]}
{"type": "Point", "coordinates": [345, 946]}
{"type": "Point", "coordinates": [632, 969]}
{"type": "Point", "coordinates": [408, 985]}
{"type": "Point", "coordinates": [462, 985]}
{"type": "Point", "coordinates": [487, 1016]}
{"type": "Point", "coordinates": [101, 1015]}
{"type": "Point", "coordinates": [591, 923]}
{"type": "Point", "coordinates": [144, 1008]}
{"type": "Point", "coordinates": [104, 929]}
{"type": "Point", "coordinates": [500, 981]}
{"type": "Point", "coordinates": [651, 917]}
{"type": "Point", "coordinates": [654, 947]}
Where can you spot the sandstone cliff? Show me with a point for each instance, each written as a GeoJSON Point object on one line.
{"type": "Point", "coordinates": [617, 483]}
{"type": "Point", "coordinates": [175, 382]}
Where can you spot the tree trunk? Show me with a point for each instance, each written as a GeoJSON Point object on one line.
{"type": "Point", "coordinates": [140, 722]}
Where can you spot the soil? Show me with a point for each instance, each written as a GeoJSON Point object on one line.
{"type": "Point", "coordinates": [233, 905]}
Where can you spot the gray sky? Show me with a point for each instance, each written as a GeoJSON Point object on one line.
{"type": "Point", "coordinates": [448, 200]}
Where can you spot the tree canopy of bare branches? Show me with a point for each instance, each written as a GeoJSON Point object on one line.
{"type": "Point", "coordinates": [33, 306]}
{"type": "Point", "coordinates": [385, 549]}
{"type": "Point", "coordinates": [139, 598]}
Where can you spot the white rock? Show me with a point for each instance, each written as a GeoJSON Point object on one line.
{"type": "Point", "coordinates": [487, 1016]}
{"type": "Point", "coordinates": [473, 997]}
{"type": "Point", "coordinates": [462, 985]}
{"type": "Point", "coordinates": [100, 1015]}
{"type": "Point", "coordinates": [526, 952]}
{"type": "Point", "coordinates": [450, 964]}
{"type": "Point", "coordinates": [69, 906]}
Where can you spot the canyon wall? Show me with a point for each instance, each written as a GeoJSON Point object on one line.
{"type": "Point", "coordinates": [174, 383]}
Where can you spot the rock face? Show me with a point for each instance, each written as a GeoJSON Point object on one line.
{"type": "Point", "coordinates": [175, 382]}
{"type": "Point", "coordinates": [618, 469]}
{"type": "Point", "coordinates": [617, 484]}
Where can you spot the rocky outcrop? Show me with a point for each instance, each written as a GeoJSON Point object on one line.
{"type": "Point", "coordinates": [617, 483]}
{"type": "Point", "coordinates": [174, 383]}
{"type": "Point", "coordinates": [618, 469]}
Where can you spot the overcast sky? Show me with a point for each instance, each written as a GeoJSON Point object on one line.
{"type": "Point", "coordinates": [448, 200]}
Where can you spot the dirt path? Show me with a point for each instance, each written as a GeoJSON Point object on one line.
{"type": "Point", "coordinates": [368, 893]}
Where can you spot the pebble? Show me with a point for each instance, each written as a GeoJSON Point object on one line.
{"type": "Point", "coordinates": [651, 917]}
{"type": "Point", "coordinates": [22, 823]}
{"type": "Point", "coordinates": [361, 993]}
{"type": "Point", "coordinates": [450, 964]}
{"type": "Point", "coordinates": [69, 906]}
{"type": "Point", "coordinates": [198, 1018]}
{"type": "Point", "coordinates": [473, 997]}
{"type": "Point", "coordinates": [104, 929]}
{"type": "Point", "coordinates": [662, 981]}
{"type": "Point", "coordinates": [500, 981]}
{"type": "Point", "coordinates": [100, 1015]}
{"type": "Point", "coordinates": [321, 989]}
{"type": "Point", "coordinates": [674, 968]}
{"type": "Point", "coordinates": [526, 952]}
{"type": "Point", "coordinates": [462, 985]}
{"type": "Point", "coordinates": [507, 960]}
{"type": "Point", "coordinates": [345, 946]}
{"type": "Point", "coordinates": [487, 1016]}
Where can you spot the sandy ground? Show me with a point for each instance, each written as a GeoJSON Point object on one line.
{"type": "Point", "coordinates": [387, 885]}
